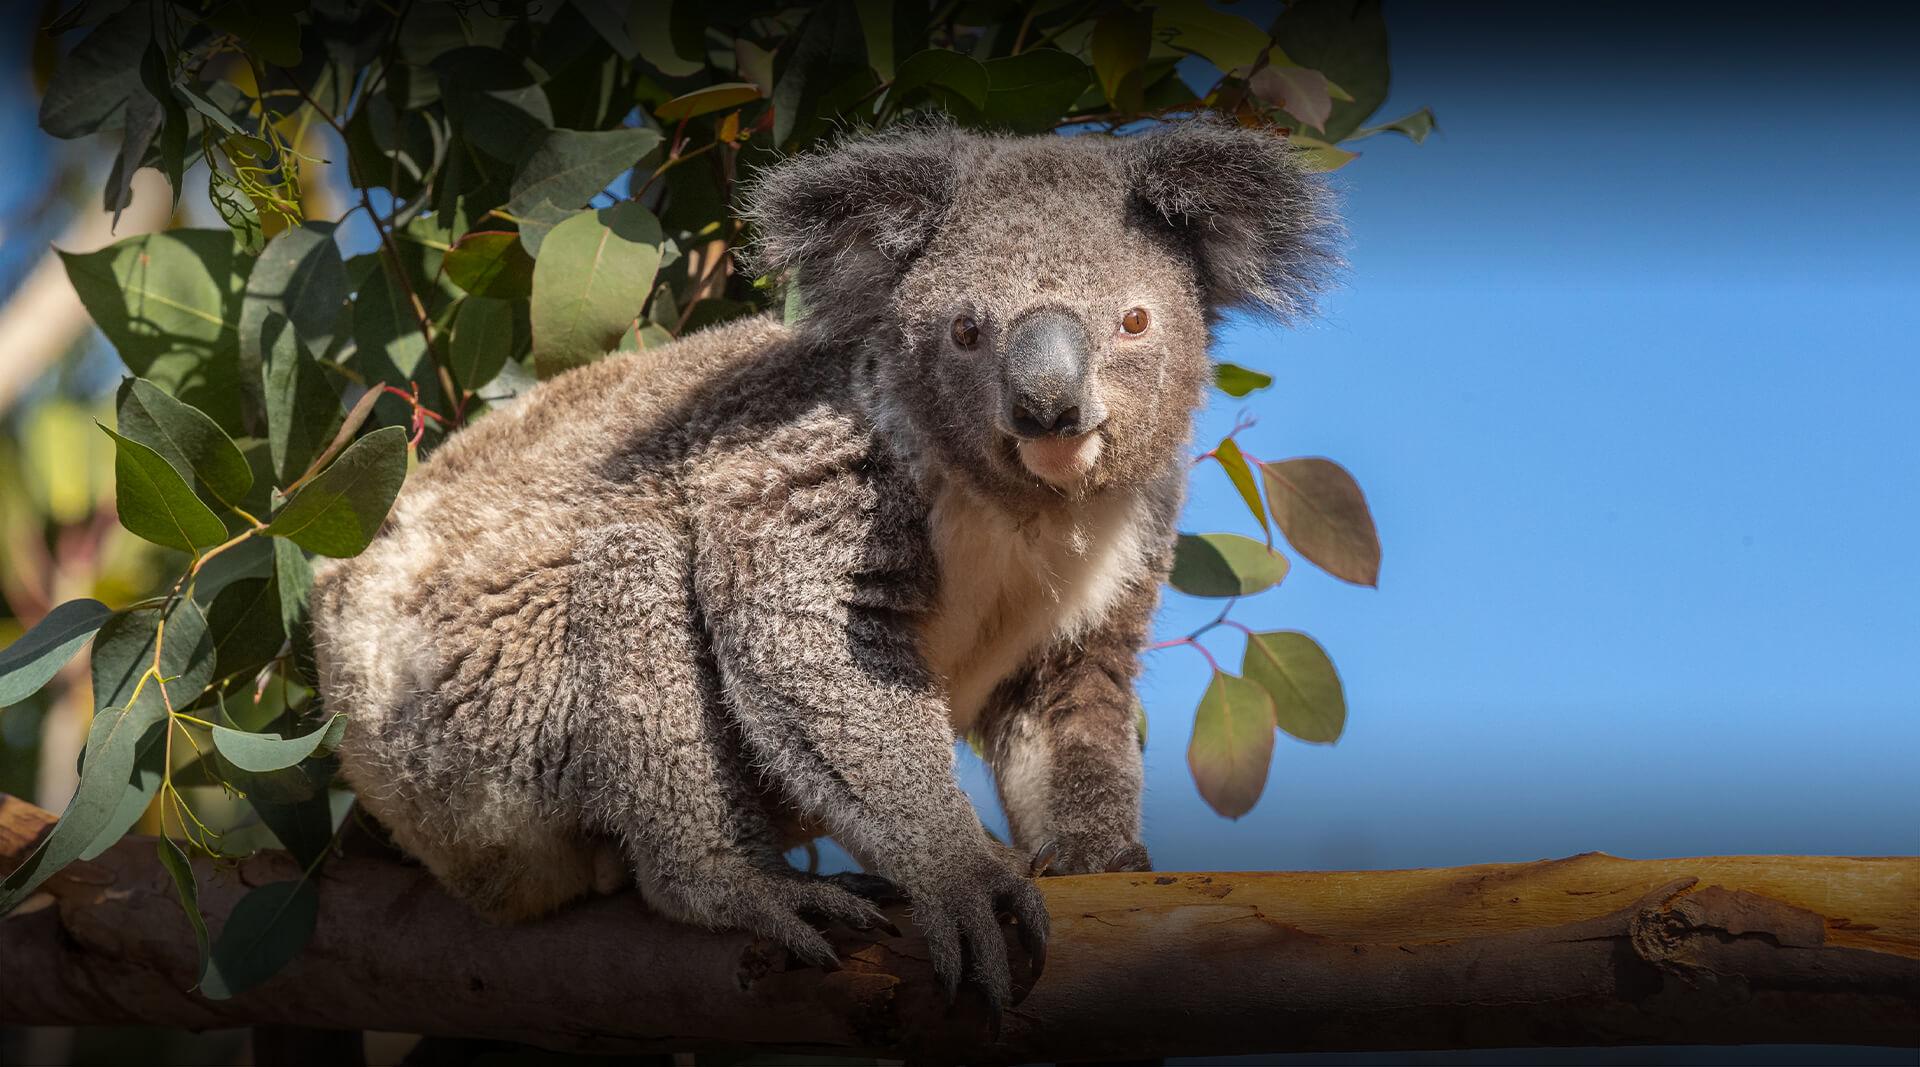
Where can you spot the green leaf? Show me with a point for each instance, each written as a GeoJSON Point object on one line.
{"type": "Point", "coordinates": [38, 655]}
{"type": "Point", "coordinates": [191, 443]}
{"type": "Point", "coordinates": [667, 34]}
{"type": "Point", "coordinates": [570, 166]}
{"type": "Point", "coordinates": [1346, 40]}
{"type": "Point", "coordinates": [155, 77]}
{"type": "Point", "coordinates": [1323, 513]}
{"type": "Point", "coordinates": [143, 783]}
{"type": "Point", "coordinates": [891, 29]}
{"type": "Point", "coordinates": [294, 575]}
{"type": "Point", "coordinates": [167, 301]}
{"type": "Point", "coordinates": [1414, 127]}
{"type": "Point", "coordinates": [1032, 92]}
{"type": "Point", "coordinates": [1318, 156]}
{"type": "Point", "coordinates": [110, 753]}
{"type": "Point", "coordinates": [1235, 380]}
{"type": "Point", "coordinates": [267, 29]}
{"type": "Point", "coordinates": [1232, 744]}
{"type": "Point", "coordinates": [386, 332]}
{"type": "Point", "coordinates": [143, 119]}
{"type": "Point", "coordinates": [1296, 673]}
{"type": "Point", "coordinates": [300, 279]}
{"type": "Point", "coordinates": [124, 650]}
{"type": "Point", "coordinates": [303, 407]}
{"type": "Point", "coordinates": [1121, 39]}
{"type": "Point", "coordinates": [266, 930]}
{"type": "Point", "coordinates": [338, 512]}
{"type": "Point", "coordinates": [294, 803]}
{"type": "Point", "coordinates": [244, 624]}
{"type": "Point", "coordinates": [824, 59]}
{"type": "Point", "coordinates": [260, 753]}
{"type": "Point", "coordinates": [708, 100]}
{"type": "Point", "coordinates": [536, 222]}
{"type": "Point", "coordinates": [483, 336]}
{"type": "Point", "coordinates": [187, 886]}
{"type": "Point", "coordinates": [1227, 41]}
{"type": "Point", "coordinates": [589, 283]}
{"type": "Point", "coordinates": [1222, 565]}
{"type": "Point", "coordinates": [953, 73]}
{"type": "Point", "coordinates": [491, 263]}
{"type": "Point", "coordinates": [155, 503]}
{"type": "Point", "coordinates": [1227, 454]}
{"type": "Point", "coordinates": [94, 81]}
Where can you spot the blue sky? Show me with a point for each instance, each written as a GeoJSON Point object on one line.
{"type": "Point", "coordinates": [1626, 362]}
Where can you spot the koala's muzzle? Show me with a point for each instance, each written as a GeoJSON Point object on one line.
{"type": "Point", "coordinates": [1047, 376]}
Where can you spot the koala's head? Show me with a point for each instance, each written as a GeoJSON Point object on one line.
{"type": "Point", "coordinates": [1038, 310]}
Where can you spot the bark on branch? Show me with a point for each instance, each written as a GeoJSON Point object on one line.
{"type": "Point", "coordinates": [1591, 950]}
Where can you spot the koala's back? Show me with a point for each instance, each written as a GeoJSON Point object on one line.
{"type": "Point", "coordinates": [490, 628]}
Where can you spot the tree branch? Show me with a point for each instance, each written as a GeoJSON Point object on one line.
{"type": "Point", "coordinates": [1591, 950]}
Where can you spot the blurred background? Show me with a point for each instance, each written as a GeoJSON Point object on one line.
{"type": "Point", "coordinates": [1627, 365]}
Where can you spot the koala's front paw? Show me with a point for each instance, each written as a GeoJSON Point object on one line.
{"type": "Point", "coordinates": [780, 904]}
{"type": "Point", "coordinates": [958, 909]}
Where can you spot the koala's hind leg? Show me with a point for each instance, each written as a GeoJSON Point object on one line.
{"type": "Point", "coordinates": [669, 777]}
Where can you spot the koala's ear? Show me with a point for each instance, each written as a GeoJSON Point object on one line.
{"type": "Point", "coordinates": [1261, 228]}
{"type": "Point", "coordinates": [846, 217]}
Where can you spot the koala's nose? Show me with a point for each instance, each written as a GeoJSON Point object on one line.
{"type": "Point", "coordinates": [1047, 381]}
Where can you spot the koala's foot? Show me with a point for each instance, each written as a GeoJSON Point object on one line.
{"type": "Point", "coordinates": [782, 905]}
{"type": "Point", "coordinates": [959, 911]}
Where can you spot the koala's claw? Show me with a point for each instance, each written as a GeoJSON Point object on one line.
{"type": "Point", "coordinates": [1043, 858]}
{"type": "Point", "coordinates": [960, 917]}
{"type": "Point", "coordinates": [1131, 858]}
{"type": "Point", "coordinates": [869, 887]}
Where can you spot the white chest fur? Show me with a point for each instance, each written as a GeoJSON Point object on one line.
{"type": "Point", "coordinates": [1010, 587]}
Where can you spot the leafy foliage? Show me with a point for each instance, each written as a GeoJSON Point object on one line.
{"type": "Point", "coordinates": [539, 184]}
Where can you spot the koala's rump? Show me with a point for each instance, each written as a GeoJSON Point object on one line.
{"type": "Point", "coordinates": [484, 641]}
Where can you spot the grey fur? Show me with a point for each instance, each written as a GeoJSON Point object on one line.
{"type": "Point", "coordinates": [674, 611]}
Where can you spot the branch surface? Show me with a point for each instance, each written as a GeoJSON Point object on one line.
{"type": "Point", "coordinates": [1589, 950]}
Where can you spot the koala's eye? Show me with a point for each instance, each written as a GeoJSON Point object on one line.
{"type": "Point", "coordinates": [1134, 321]}
{"type": "Point", "coordinates": [966, 332]}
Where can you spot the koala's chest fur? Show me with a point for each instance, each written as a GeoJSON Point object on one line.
{"type": "Point", "coordinates": [1010, 588]}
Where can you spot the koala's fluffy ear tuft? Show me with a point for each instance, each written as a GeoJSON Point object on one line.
{"type": "Point", "coordinates": [1261, 228]}
{"type": "Point", "coordinates": [844, 218]}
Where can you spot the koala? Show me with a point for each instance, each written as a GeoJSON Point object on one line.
{"type": "Point", "coordinates": [674, 612]}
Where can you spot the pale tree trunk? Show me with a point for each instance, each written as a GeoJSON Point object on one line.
{"type": "Point", "coordinates": [1590, 950]}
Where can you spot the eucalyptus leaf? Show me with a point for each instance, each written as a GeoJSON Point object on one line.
{"type": "Point", "coordinates": [491, 263]}
{"type": "Point", "coordinates": [589, 283]}
{"type": "Point", "coordinates": [264, 932]}
{"type": "Point", "coordinates": [1232, 744]}
{"type": "Point", "coordinates": [259, 753]}
{"type": "Point", "coordinates": [112, 742]}
{"type": "Point", "coordinates": [143, 784]}
{"type": "Point", "coordinates": [31, 661]}
{"type": "Point", "coordinates": [1235, 380]}
{"type": "Point", "coordinates": [167, 301]}
{"type": "Point", "coordinates": [707, 100]}
{"type": "Point", "coordinates": [1227, 454]}
{"type": "Point", "coordinates": [569, 166]}
{"type": "Point", "coordinates": [155, 503]}
{"type": "Point", "coordinates": [123, 652]}
{"type": "Point", "coordinates": [1308, 701]}
{"type": "Point", "coordinates": [187, 887]}
{"type": "Point", "coordinates": [191, 443]}
{"type": "Point", "coordinates": [91, 87]}
{"type": "Point", "coordinates": [482, 341]}
{"type": "Point", "coordinates": [244, 625]}
{"type": "Point", "coordinates": [1224, 565]}
{"type": "Point", "coordinates": [302, 404]}
{"type": "Point", "coordinates": [1031, 92]}
{"type": "Point", "coordinates": [339, 511]}
{"type": "Point", "coordinates": [1321, 509]}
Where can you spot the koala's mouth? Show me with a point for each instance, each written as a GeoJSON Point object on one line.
{"type": "Point", "coordinates": [1061, 462]}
